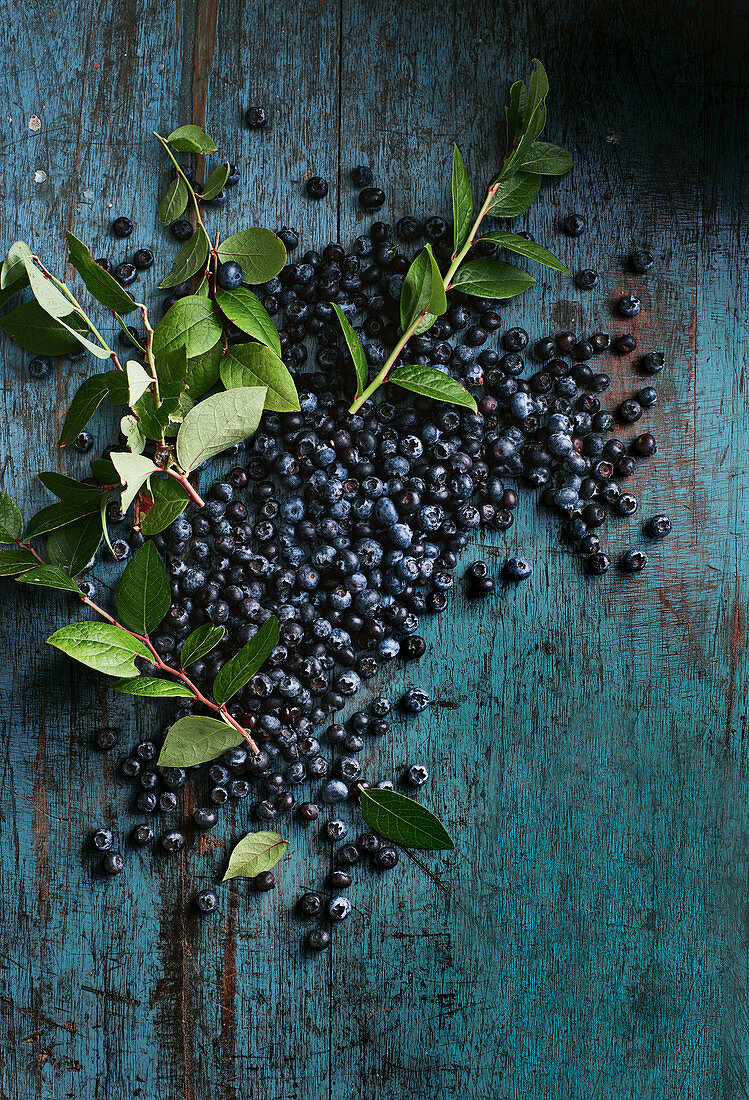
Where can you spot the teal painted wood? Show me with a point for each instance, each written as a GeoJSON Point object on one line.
{"type": "Point", "coordinates": [588, 937]}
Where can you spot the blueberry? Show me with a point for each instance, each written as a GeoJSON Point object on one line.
{"type": "Point", "coordinates": [318, 939]}
{"type": "Point", "coordinates": [234, 176]}
{"type": "Point", "coordinates": [625, 343]}
{"type": "Point", "coordinates": [316, 187]}
{"type": "Point", "coordinates": [336, 829]}
{"type": "Point", "coordinates": [103, 840]}
{"type": "Point", "coordinates": [255, 118]}
{"type": "Point", "coordinates": [173, 841]}
{"type": "Point", "coordinates": [371, 198]}
{"type": "Point", "coordinates": [386, 858]}
{"type": "Point", "coordinates": [574, 224]}
{"type": "Point", "coordinates": [122, 227]}
{"type": "Point", "coordinates": [229, 275]}
{"type": "Point", "coordinates": [308, 811]}
{"type": "Point", "coordinates": [641, 260]}
{"type": "Point", "coordinates": [436, 228]}
{"type": "Point", "coordinates": [658, 526]}
{"type": "Point", "coordinates": [143, 259]}
{"type": "Point", "coordinates": [645, 444]}
{"type": "Point", "coordinates": [265, 881]}
{"type": "Point", "coordinates": [207, 901]}
{"type": "Point", "coordinates": [309, 905]}
{"type": "Point", "coordinates": [629, 411]}
{"type": "Point", "coordinates": [106, 738]}
{"type": "Point", "coordinates": [634, 560]}
{"type": "Point", "coordinates": [39, 367]}
{"type": "Point", "coordinates": [120, 549]}
{"type": "Point", "coordinates": [600, 341]}
{"type": "Point", "coordinates": [515, 339]}
{"type": "Point", "coordinates": [653, 362]}
{"type": "Point", "coordinates": [586, 279]}
{"type": "Point", "coordinates": [181, 230]}
{"type": "Point", "coordinates": [125, 273]}
{"type": "Point", "coordinates": [339, 908]}
{"type": "Point", "coordinates": [415, 700]}
{"type": "Point", "coordinates": [517, 569]}
{"type": "Point", "coordinates": [362, 176]}
{"type": "Point", "coordinates": [289, 237]}
{"type": "Point", "coordinates": [417, 775]}
{"type": "Point", "coordinates": [113, 863]}
{"type": "Point", "coordinates": [598, 564]}
{"type": "Point", "coordinates": [334, 791]}
{"type": "Point", "coordinates": [409, 229]}
{"type": "Point", "coordinates": [629, 306]}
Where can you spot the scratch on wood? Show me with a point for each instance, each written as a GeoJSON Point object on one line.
{"type": "Point", "coordinates": [40, 823]}
{"type": "Point", "coordinates": [112, 995]}
{"type": "Point", "coordinates": [228, 991]}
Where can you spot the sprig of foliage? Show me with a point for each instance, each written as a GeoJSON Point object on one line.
{"type": "Point", "coordinates": [423, 297]}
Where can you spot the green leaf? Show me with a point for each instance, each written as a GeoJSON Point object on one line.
{"type": "Point", "coordinates": [39, 333]}
{"type": "Point", "coordinates": [514, 195]}
{"type": "Point", "coordinates": [257, 365]}
{"type": "Point", "coordinates": [515, 110]}
{"type": "Point", "coordinates": [192, 322]}
{"type": "Point", "coordinates": [195, 740]}
{"type": "Point", "coordinates": [130, 428]}
{"type": "Point", "coordinates": [11, 519]}
{"type": "Point", "coordinates": [50, 576]}
{"type": "Point", "coordinates": [538, 89]}
{"type": "Point", "coordinates": [89, 396]}
{"type": "Point", "coordinates": [171, 367]}
{"type": "Point", "coordinates": [99, 283]}
{"type": "Point", "coordinates": [423, 290]}
{"type": "Point", "coordinates": [237, 672]}
{"type": "Point", "coordinates": [202, 371]}
{"type": "Point", "coordinates": [216, 182]}
{"type": "Point", "coordinates": [169, 502]}
{"type": "Point", "coordinates": [245, 310]}
{"type": "Point", "coordinates": [174, 201]}
{"type": "Point", "coordinates": [523, 247]}
{"type": "Point", "coordinates": [57, 305]}
{"type": "Point", "coordinates": [492, 279]}
{"type": "Point", "coordinates": [403, 821]}
{"type": "Point", "coordinates": [134, 471]}
{"type": "Point", "coordinates": [15, 264]}
{"type": "Point", "coordinates": [59, 515]}
{"type": "Point", "coordinates": [153, 687]}
{"type": "Point", "coordinates": [255, 853]}
{"type": "Point", "coordinates": [200, 643]}
{"type": "Point", "coordinates": [190, 259]}
{"type": "Point", "coordinates": [430, 382]}
{"type": "Point", "coordinates": [101, 646]}
{"type": "Point", "coordinates": [13, 288]}
{"type": "Point", "coordinates": [260, 254]}
{"type": "Point", "coordinates": [72, 547]}
{"type": "Point", "coordinates": [67, 488]}
{"type": "Point", "coordinates": [191, 139]}
{"type": "Point", "coordinates": [354, 345]}
{"type": "Point", "coordinates": [16, 561]}
{"type": "Point", "coordinates": [546, 159]}
{"type": "Point", "coordinates": [104, 472]}
{"type": "Point", "coordinates": [138, 381]}
{"type": "Point", "coordinates": [462, 201]}
{"type": "Point", "coordinates": [218, 422]}
{"type": "Point", "coordinates": [143, 594]}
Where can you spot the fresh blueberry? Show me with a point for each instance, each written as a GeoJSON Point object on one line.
{"type": "Point", "coordinates": [371, 198]}
{"type": "Point", "coordinates": [265, 881]}
{"type": "Point", "coordinates": [634, 560]}
{"type": "Point", "coordinates": [40, 367]}
{"type": "Point", "coordinates": [143, 259]}
{"type": "Point", "coordinates": [658, 526]}
{"type": "Point", "coordinates": [417, 775]}
{"type": "Point", "coordinates": [316, 187]}
{"type": "Point", "coordinates": [207, 901]}
{"type": "Point", "coordinates": [122, 227]}
{"type": "Point", "coordinates": [103, 840]}
{"type": "Point", "coordinates": [339, 908]}
{"type": "Point", "coordinates": [586, 279]}
{"type": "Point", "coordinates": [181, 230]}
{"type": "Point", "coordinates": [574, 225]}
{"type": "Point", "coordinates": [641, 260]}
{"type": "Point", "coordinates": [255, 118]}
{"type": "Point", "coordinates": [415, 700]}
{"type": "Point", "coordinates": [318, 939]}
{"type": "Point", "coordinates": [362, 176]}
{"type": "Point", "coordinates": [125, 273]}
{"type": "Point", "coordinates": [517, 569]}
{"type": "Point", "coordinates": [113, 863]}
{"type": "Point", "coordinates": [629, 306]}
{"type": "Point", "coordinates": [229, 275]}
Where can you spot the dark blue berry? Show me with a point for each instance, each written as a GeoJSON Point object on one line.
{"type": "Point", "coordinates": [641, 261]}
{"type": "Point", "coordinates": [575, 224]}
{"type": "Point", "coordinates": [122, 227]}
{"type": "Point", "coordinates": [207, 901]}
{"type": "Point", "coordinates": [255, 118]}
{"type": "Point", "coordinates": [113, 863]}
{"type": "Point", "coordinates": [658, 526]}
{"type": "Point", "coordinates": [371, 198]}
{"type": "Point", "coordinates": [316, 187]}
{"type": "Point", "coordinates": [634, 560]}
{"type": "Point", "coordinates": [629, 306]}
{"type": "Point", "coordinates": [229, 275]}
{"type": "Point", "coordinates": [103, 840]}
{"type": "Point", "coordinates": [39, 367]}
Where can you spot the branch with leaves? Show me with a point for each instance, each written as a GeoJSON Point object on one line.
{"type": "Point", "coordinates": [424, 294]}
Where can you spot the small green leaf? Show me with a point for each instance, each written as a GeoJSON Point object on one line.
{"type": "Point", "coordinates": [143, 594]}
{"type": "Point", "coordinates": [195, 740]}
{"type": "Point", "coordinates": [57, 305]}
{"type": "Point", "coordinates": [462, 201]}
{"type": "Point", "coordinates": [546, 159]}
{"type": "Point", "coordinates": [423, 290]}
{"type": "Point", "coordinates": [514, 195]}
{"type": "Point", "coordinates": [255, 853]}
{"type": "Point", "coordinates": [174, 201]}
{"type": "Point", "coordinates": [138, 381]}
{"type": "Point", "coordinates": [192, 322]}
{"type": "Point", "coordinates": [16, 561]}
{"type": "Point", "coordinates": [104, 472]}
{"type": "Point", "coordinates": [67, 488]}
{"type": "Point", "coordinates": [245, 310]}
{"type": "Point", "coordinates": [101, 646]}
{"type": "Point", "coordinates": [50, 576]}
{"type": "Point", "coordinates": [11, 519]}
{"type": "Point", "coordinates": [403, 821]}
{"type": "Point", "coordinates": [538, 89]}
{"type": "Point", "coordinates": [356, 351]}
{"type": "Point", "coordinates": [169, 502]}
{"type": "Point", "coordinates": [430, 382]}
{"type": "Point", "coordinates": [15, 264]}
{"type": "Point", "coordinates": [260, 254]}
{"type": "Point", "coordinates": [39, 333]}
{"type": "Point", "coordinates": [257, 365]}
{"type": "Point", "coordinates": [515, 243]}
{"type": "Point", "coordinates": [72, 547]}
{"type": "Point", "coordinates": [152, 687]}
{"type": "Point", "coordinates": [200, 643]}
{"type": "Point", "coordinates": [190, 259]}
{"type": "Point", "coordinates": [202, 371]}
{"type": "Point", "coordinates": [216, 182]}
{"type": "Point", "coordinates": [218, 422]}
{"type": "Point", "coordinates": [191, 139]}
{"type": "Point", "coordinates": [99, 283]}
{"type": "Point", "coordinates": [237, 672]}
{"type": "Point", "coordinates": [130, 428]}
{"type": "Point", "coordinates": [59, 515]}
{"type": "Point", "coordinates": [491, 279]}
{"type": "Point", "coordinates": [89, 396]}
{"type": "Point", "coordinates": [134, 471]}
{"type": "Point", "coordinates": [514, 112]}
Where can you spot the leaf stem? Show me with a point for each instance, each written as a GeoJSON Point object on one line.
{"type": "Point", "coordinates": [27, 546]}
{"type": "Point", "coordinates": [178, 673]}
{"type": "Point", "coordinates": [192, 493]}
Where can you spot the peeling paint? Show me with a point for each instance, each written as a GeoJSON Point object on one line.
{"type": "Point", "coordinates": [35, 123]}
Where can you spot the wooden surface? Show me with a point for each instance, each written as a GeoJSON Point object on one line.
{"type": "Point", "coordinates": [588, 936]}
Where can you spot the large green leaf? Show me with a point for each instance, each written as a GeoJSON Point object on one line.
{"type": "Point", "coordinates": [245, 310]}
{"type": "Point", "coordinates": [216, 182]}
{"type": "Point", "coordinates": [190, 259]}
{"type": "Point", "coordinates": [218, 422]}
{"type": "Point", "coordinates": [462, 201]}
{"type": "Point", "coordinates": [191, 139]}
{"type": "Point", "coordinates": [257, 365]}
{"type": "Point", "coordinates": [514, 111]}
{"type": "Point", "coordinates": [514, 195]}
{"type": "Point", "coordinates": [58, 306]}
{"type": "Point", "coordinates": [491, 279]}
{"type": "Point", "coordinates": [423, 290]}
{"type": "Point", "coordinates": [259, 252]}
{"type": "Point", "coordinates": [67, 488]}
{"type": "Point", "coordinates": [39, 333]}
{"type": "Point", "coordinates": [103, 286]}
{"type": "Point", "coordinates": [143, 594]}
{"type": "Point", "coordinates": [523, 247]}
{"type": "Point", "coordinates": [356, 351]}
{"type": "Point", "coordinates": [16, 561]}
{"type": "Point", "coordinates": [546, 159]}
{"type": "Point", "coordinates": [169, 502]}
{"type": "Point", "coordinates": [237, 672]}
{"type": "Point", "coordinates": [195, 740]}
{"type": "Point", "coordinates": [174, 201]}
{"type": "Point", "coordinates": [192, 322]}
{"type": "Point", "coordinates": [11, 520]}
{"type": "Point", "coordinates": [72, 547]}
{"type": "Point", "coordinates": [255, 853]}
{"type": "Point", "coordinates": [430, 382]}
{"type": "Point", "coordinates": [59, 515]}
{"type": "Point", "coordinates": [202, 371]}
{"type": "Point", "coordinates": [89, 396]}
{"type": "Point", "coordinates": [15, 264]}
{"type": "Point", "coordinates": [101, 646]}
{"type": "Point", "coordinates": [403, 820]}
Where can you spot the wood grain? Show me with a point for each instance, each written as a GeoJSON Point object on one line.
{"type": "Point", "coordinates": [589, 935]}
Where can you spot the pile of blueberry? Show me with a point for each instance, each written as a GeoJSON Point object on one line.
{"type": "Point", "coordinates": [348, 528]}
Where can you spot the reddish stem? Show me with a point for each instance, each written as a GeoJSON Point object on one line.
{"type": "Point", "coordinates": [187, 486]}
